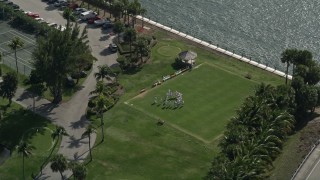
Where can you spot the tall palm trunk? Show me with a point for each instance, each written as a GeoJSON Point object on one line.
{"type": "Point", "coordinates": [90, 147]}
{"type": "Point", "coordinates": [102, 127]}
{"type": "Point", "coordinates": [53, 148]}
{"type": "Point", "coordinates": [15, 55]}
{"type": "Point", "coordinates": [23, 167]}
{"type": "Point", "coordinates": [34, 102]}
{"type": "Point", "coordinates": [130, 47]}
{"type": "Point", "coordinates": [61, 174]}
{"type": "Point", "coordinates": [287, 73]}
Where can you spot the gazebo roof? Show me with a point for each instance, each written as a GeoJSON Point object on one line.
{"type": "Point", "coordinates": [187, 55]}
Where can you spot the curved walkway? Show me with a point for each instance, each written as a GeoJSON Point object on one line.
{"type": "Point", "coordinates": [71, 114]}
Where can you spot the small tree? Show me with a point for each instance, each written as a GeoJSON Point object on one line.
{"type": "Point", "coordinates": [79, 170]}
{"type": "Point", "coordinates": [118, 28]}
{"type": "Point", "coordinates": [25, 150]}
{"type": "Point", "coordinates": [100, 108]}
{"type": "Point", "coordinates": [89, 130]}
{"type": "Point", "coordinates": [9, 86]}
{"type": "Point", "coordinates": [59, 163]}
{"type": "Point", "coordinates": [130, 35]}
{"type": "Point", "coordinates": [141, 48]}
{"type": "Point", "coordinates": [56, 135]}
{"type": "Point", "coordinates": [37, 87]}
{"type": "Point", "coordinates": [104, 73]}
{"type": "Point", "coordinates": [15, 44]}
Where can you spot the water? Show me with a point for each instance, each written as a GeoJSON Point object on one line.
{"type": "Point", "coordinates": [261, 30]}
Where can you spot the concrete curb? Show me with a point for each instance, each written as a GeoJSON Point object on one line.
{"type": "Point", "coordinates": [213, 47]}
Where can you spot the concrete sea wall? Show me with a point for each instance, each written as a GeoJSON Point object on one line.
{"type": "Point", "coordinates": [213, 47]}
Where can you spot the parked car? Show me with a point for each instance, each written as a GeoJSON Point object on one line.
{"type": "Point", "coordinates": [113, 47]}
{"type": "Point", "coordinates": [80, 10]}
{"type": "Point", "coordinates": [107, 25]}
{"type": "Point", "coordinates": [87, 15]}
{"type": "Point", "coordinates": [101, 22]}
{"type": "Point", "coordinates": [8, 2]}
{"type": "Point", "coordinates": [77, 75]}
{"type": "Point", "coordinates": [55, 25]}
{"type": "Point", "coordinates": [73, 6]}
{"type": "Point", "coordinates": [91, 20]}
{"type": "Point", "coordinates": [60, 3]}
{"type": "Point", "coordinates": [69, 81]}
{"type": "Point", "coordinates": [40, 20]}
{"type": "Point", "coordinates": [52, 1]}
{"type": "Point", "coordinates": [14, 6]}
{"type": "Point", "coordinates": [33, 15]}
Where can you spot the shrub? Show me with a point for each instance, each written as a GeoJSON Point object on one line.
{"type": "Point", "coordinates": [248, 76]}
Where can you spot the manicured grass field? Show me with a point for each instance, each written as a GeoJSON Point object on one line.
{"type": "Point", "coordinates": [211, 96]}
{"type": "Point", "coordinates": [135, 147]}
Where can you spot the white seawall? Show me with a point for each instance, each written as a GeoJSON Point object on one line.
{"type": "Point", "coordinates": [213, 47]}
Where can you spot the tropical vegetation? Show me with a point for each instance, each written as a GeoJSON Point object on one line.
{"type": "Point", "coordinates": [254, 137]}
{"type": "Point", "coordinates": [59, 54]}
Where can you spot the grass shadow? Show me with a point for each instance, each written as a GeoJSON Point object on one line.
{"type": "Point", "coordinates": [17, 123]}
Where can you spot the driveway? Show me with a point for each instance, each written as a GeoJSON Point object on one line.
{"type": "Point", "coordinates": [71, 114]}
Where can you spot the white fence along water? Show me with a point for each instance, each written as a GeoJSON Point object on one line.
{"type": "Point", "coordinates": [213, 47]}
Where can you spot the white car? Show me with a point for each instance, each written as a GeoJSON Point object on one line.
{"type": "Point", "coordinates": [60, 3]}
{"type": "Point", "coordinates": [80, 10]}
{"type": "Point", "coordinates": [55, 25]}
{"type": "Point", "coordinates": [40, 20]}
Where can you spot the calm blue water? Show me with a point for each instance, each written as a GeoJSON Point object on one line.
{"type": "Point", "coordinates": [258, 29]}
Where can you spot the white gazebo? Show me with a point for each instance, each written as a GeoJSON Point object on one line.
{"type": "Point", "coordinates": [188, 57]}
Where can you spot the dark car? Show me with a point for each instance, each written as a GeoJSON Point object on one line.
{"type": "Point", "coordinates": [69, 81]}
{"type": "Point", "coordinates": [14, 6]}
{"type": "Point", "coordinates": [8, 3]}
{"type": "Point", "coordinates": [52, 1]}
{"type": "Point", "coordinates": [113, 47]}
{"type": "Point", "coordinates": [107, 25]}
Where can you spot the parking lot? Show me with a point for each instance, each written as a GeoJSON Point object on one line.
{"type": "Point", "coordinates": [24, 54]}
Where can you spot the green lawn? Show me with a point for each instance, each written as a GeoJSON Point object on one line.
{"type": "Point", "coordinates": [15, 125]}
{"type": "Point", "coordinates": [136, 148]}
{"type": "Point", "coordinates": [211, 96]}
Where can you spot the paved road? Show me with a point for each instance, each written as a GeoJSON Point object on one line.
{"type": "Point", "coordinates": [310, 170]}
{"type": "Point", "coordinates": [71, 114]}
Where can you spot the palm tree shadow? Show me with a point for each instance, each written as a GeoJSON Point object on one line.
{"type": "Point", "coordinates": [80, 124]}
{"type": "Point", "coordinates": [75, 142]}
{"type": "Point", "coordinates": [46, 109]}
{"type": "Point", "coordinates": [25, 95]}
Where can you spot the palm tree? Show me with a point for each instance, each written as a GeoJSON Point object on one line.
{"type": "Point", "coordinates": [130, 35]}
{"type": "Point", "coordinates": [104, 73]}
{"type": "Point", "coordinates": [101, 89]}
{"type": "Point", "coordinates": [135, 9]}
{"type": "Point", "coordinates": [59, 163]}
{"type": "Point", "coordinates": [79, 170]}
{"type": "Point", "coordinates": [125, 6]}
{"type": "Point", "coordinates": [67, 14]}
{"type": "Point", "coordinates": [100, 108]}
{"type": "Point", "coordinates": [9, 86]}
{"type": "Point", "coordinates": [89, 130]}
{"type": "Point", "coordinates": [0, 63]}
{"type": "Point", "coordinates": [56, 135]}
{"type": "Point", "coordinates": [15, 44]}
{"type": "Point", "coordinates": [288, 57]}
{"type": "Point", "coordinates": [118, 28]}
{"type": "Point", "coordinates": [142, 13]}
{"type": "Point", "coordinates": [141, 48]}
{"type": "Point", "coordinates": [24, 149]}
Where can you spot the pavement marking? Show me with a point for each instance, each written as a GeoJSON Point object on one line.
{"type": "Point", "coordinates": [313, 169]}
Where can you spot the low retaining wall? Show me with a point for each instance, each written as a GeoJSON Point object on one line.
{"type": "Point", "coordinates": [215, 48]}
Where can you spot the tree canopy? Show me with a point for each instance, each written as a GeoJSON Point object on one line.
{"type": "Point", "coordinates": [58, 54]}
